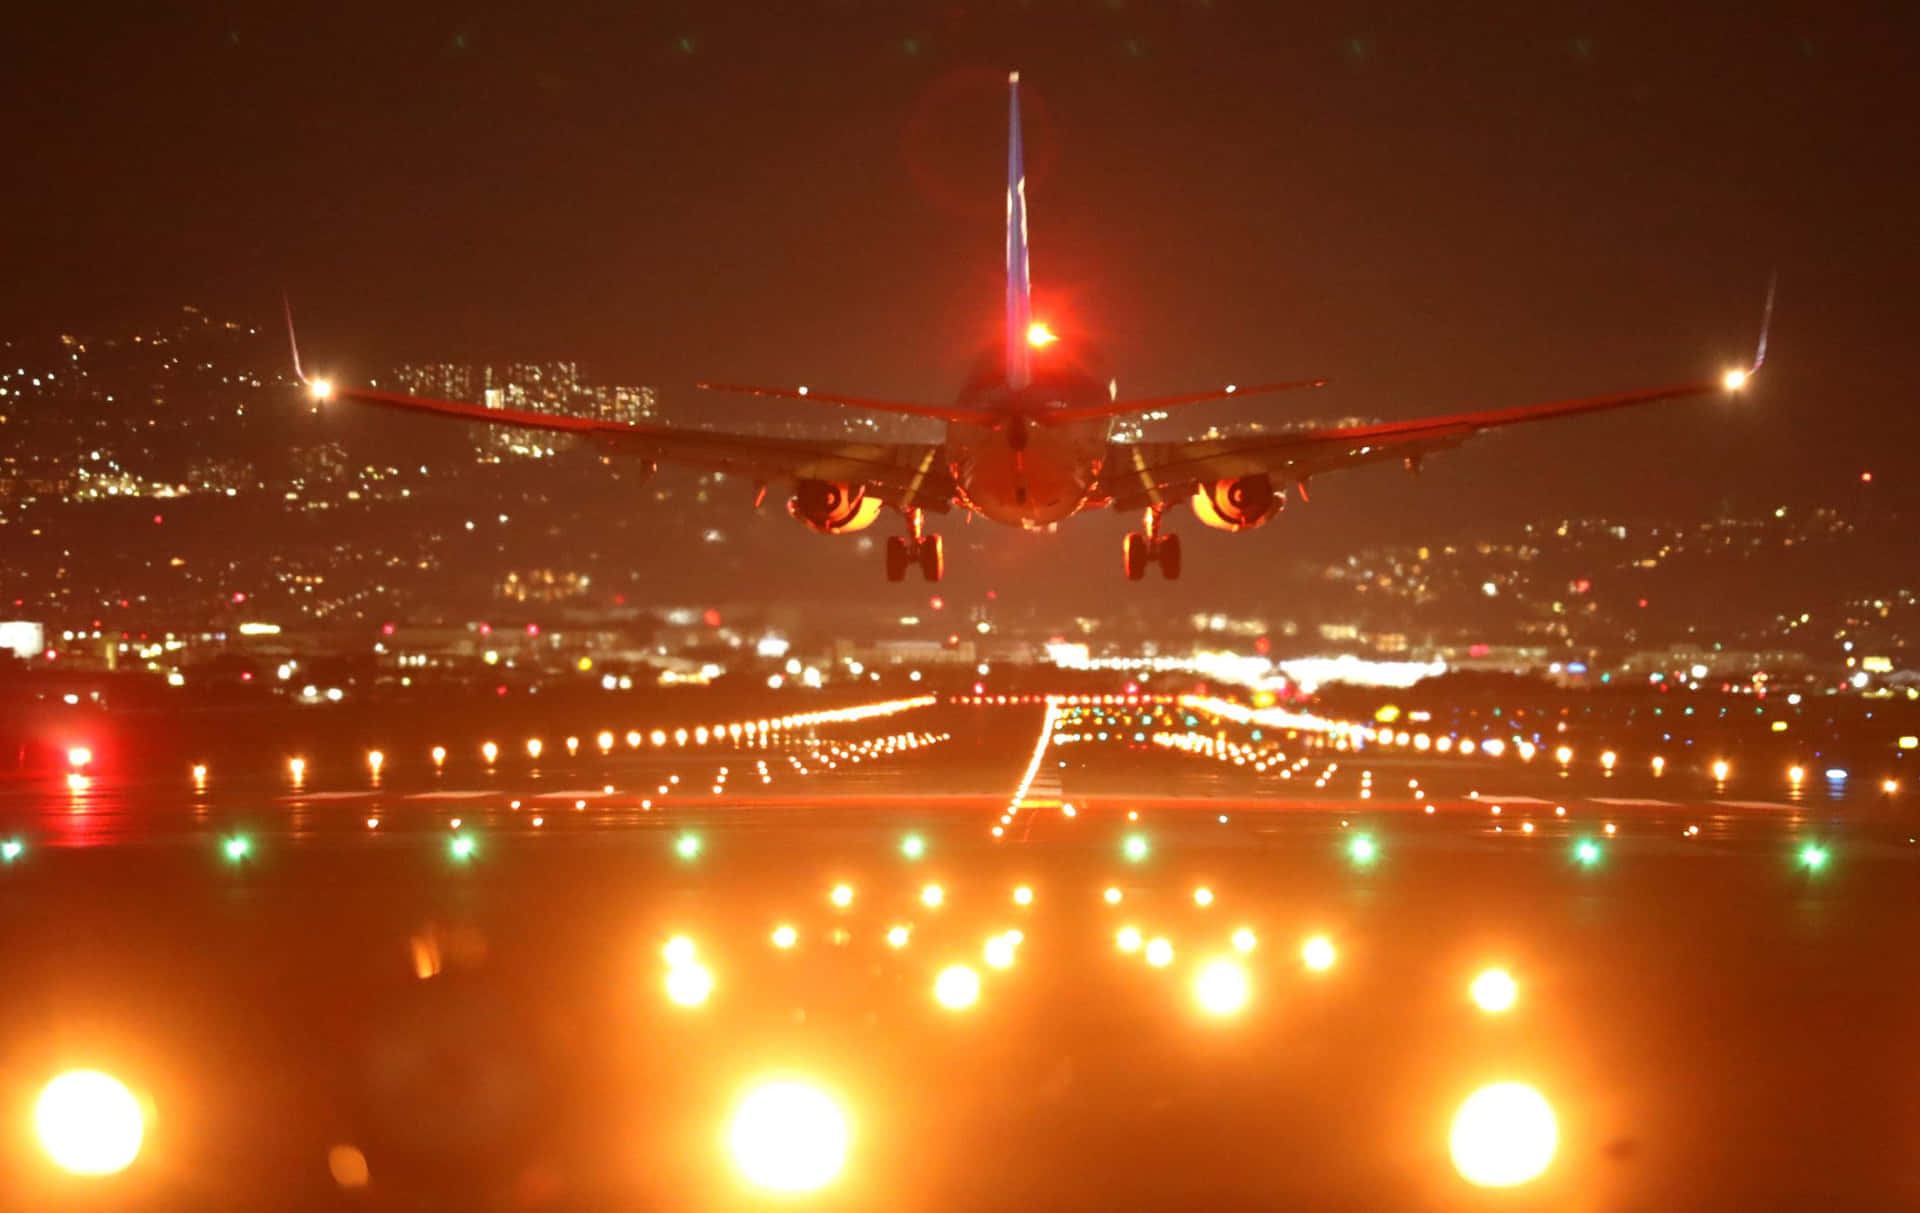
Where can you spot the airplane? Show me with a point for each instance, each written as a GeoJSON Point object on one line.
{"type": "Point", "coordinates": [1029, 438]}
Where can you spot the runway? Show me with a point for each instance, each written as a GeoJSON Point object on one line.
{"type": "Point", "coordinates": [1709, 1013]}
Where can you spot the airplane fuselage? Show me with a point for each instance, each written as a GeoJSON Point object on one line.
{"type": "Point", "coordinates": [1027, 473]}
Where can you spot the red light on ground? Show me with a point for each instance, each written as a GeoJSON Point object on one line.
{"type": "Point", "coordinates": [711, 618]}
{"type": "Point", "coordinates": [158, 520]}
{"type": "Point", "coordinates": [239, 597]}
{"type": "Point", "coordinates": [1866, 478]}
{"type": "Point", "coordinates": [79, 756]}
{"type": "Point", "coordinates": [937, 603]}
{"type": "Point", "coordinates": [386, 629]}
{"type": "Point", "coordinates": [533, 629]}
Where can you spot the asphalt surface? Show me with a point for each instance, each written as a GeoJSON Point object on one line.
{"type": "Point", "coordinates": [1713, 1021]}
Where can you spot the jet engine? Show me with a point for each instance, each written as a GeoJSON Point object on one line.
{"type": "Point", "coordinates": [834, 509]}
{"type": "Point", "coordinates": [1239, 504]}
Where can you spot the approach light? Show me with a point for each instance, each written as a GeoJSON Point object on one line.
{"type": "Point", "coordinates": [784, 937]}
{"type": "Point", "coordinates": [322, 389]}
{"type": "Point", "coordinates": [679, 951]}
{"type": "Point", "coordinates": [1587, 852]}
{"type": "Point", "coordinates": [79, 756]}
{"type": "Point", "coordinates": [1813, 857]}
{"type": "Point", "coordinates": [1317, 953]}
{"type": "Point", "coordinates": [1244, 940]}
{"type": "Point", "coordinates": [957, 987]}
{"type": "Point", "coordinates": [1222, 988]}
{"type": "Point", "coordinates": [687, 846]}
{"type": "Point", "coordinates": [913, 846]}
{"type": "Point", "coordinates": [1159, 953]}
{"type": "Point", "coordinates": [1128, 939]}
{"type": "Point", "coordinates": [1135, 848]}
{"type": "Point", "coordinates": [1503, 1136]}
{"type": "Point", "coordinates": [1734, 380]}
{"type": "Point", "coordinates": [932, 896]}
{"type": "Point", "coordinates": [789, 1137]}
{"type": "Point", "coordinates": [1023, 896]}
{"type": "Point", "coordinates": [842, 895]}
{"type": "Point", "coordinates": [1494, 991]}
{"type": "Point", "coordinates": [1362, 849]}
{"type": "Point", "coordinates": [998, 952]}
{"type": "Point", "coordinates": [1203, 897]}
{"type": "Point", "coordinates": [461, 847]}
{"type": "Point", "coordinates": [689, 984]}
{"type": "Point", "coordinates": [897, 936]}
{"type": "Point", "coordinates": [1039, 335]}
{"type": "Point", "coordinates": [236, 848]}
{"type": "Point", "coordinates": [1721, 769]}
{"type": "Point", "coordinates": [88, 1123]}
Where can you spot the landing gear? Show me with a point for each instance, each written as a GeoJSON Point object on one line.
{"type": "Point", "coordinates": [1147, 547]}
{"type": "Point", "coordinates": [905, 551]}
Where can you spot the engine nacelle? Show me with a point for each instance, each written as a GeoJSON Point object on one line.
{"type": "Point", "coordinates": [834, 509]}
{"type": "Point", "coordinates": [1239, 504]}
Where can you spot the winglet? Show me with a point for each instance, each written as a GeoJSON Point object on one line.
{"type": "Point", "coordinates": [292, 343]}
{"type": "Point", "coordinates": [1019, 288]}
{"type": "Point", "coordinates": [1766, 322]}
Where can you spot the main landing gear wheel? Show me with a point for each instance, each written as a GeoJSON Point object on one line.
{"type": "Point", "coordinates": [904, 552]}
{"type": "Point", "coordinates": [1141, 551]}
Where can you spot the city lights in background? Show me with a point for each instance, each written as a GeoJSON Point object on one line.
{"type": "Point", "coordinates": [1504, 1135]}
{"type": "Point", "coordinates": [1494, 991]}
{"type": "Point", "coordinates": [89, 1123]}
{"type": "Point", "coordinates": [789, 1137]}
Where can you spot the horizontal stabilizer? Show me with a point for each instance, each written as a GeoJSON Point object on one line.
{"type": "Point", "coordinates": [964, 416]}
{"type": "Point", "coordinates": [1121, 408]}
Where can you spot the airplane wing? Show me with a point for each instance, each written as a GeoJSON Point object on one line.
{"type": "Point", "coordinates": [906, 475]}
{"type": "Point", "coordinates": [1137, 475]}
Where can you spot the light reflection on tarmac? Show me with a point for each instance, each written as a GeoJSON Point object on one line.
{"type": "Point", "coordinates": [575, 1013]}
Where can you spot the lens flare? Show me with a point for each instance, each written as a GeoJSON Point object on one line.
{"type": "Point", "coordinates": [1504, 1135]}
{"type": "Point", "coordinates": [88, 1123]}
{"type": "Point", "coordinates": [789, 1137]}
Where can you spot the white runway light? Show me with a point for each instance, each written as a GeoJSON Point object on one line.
{"type": "Point", "coordinates": [89, 1123]}
{"type": "Point", "coordinates": [789, 1137]}
{"type": "Point", "coordinates": [1504, 1135]}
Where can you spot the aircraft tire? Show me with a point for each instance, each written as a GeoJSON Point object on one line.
{"type": "Point", "coordinates": [1135, 550]}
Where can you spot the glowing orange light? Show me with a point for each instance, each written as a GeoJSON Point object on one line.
{"type": "Point", "coordinates": [1038, 334]}
{"type": "Point", "coordinates": [322, 389]}
{"type": "Point", "coordinates": [79, 756]}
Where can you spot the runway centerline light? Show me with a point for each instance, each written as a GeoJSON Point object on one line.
{"type": "Point", "coordinates": [998, 952]}
{"type": "Point", "coordinates": [1244, 940]}
{"type": "Point", "coordinates": [1023, 896]}
{"type": "Point", "coordinates": [957, 987]}
{"type": "Point", "coordinates": [1222, 988]}
{"type": "Point", "coordinates": [1135, 848]}
{"type": "Point", "coordinates": [913, 846]}
{"type": "Point", "coordinates": [897, 936]}
{"type": "Point", "coordinates": [1494, 991]}
{"type": "Point", "coordinates": [462, 847]}
{"type": "Point", "coordinates": [1317, 953]}
{"type": "Point", "coordinates": [1203, 896]}
{"type": "Point", "coordinates": [687, 846]}
{"type": "Point", "coordinates": [784, 936]}
{"type": "Point", "coordinates": [1159, 953]}
{"type": "Point", "coordinates": [1362, 849]}
{"type": "Point", "coordinates": [236, 848]}
{"type": "Point", "coordinates": [88, 1123]}
{"type": "Point", "coordinates": [932, 896]}
{"type": "Point", "coordinates": [1587, 852]}
{"type": "Point", "coordinates": [1127, 939]}
{"type": "Point", "coordinates": [679, 950]}
{"type": "Point", "coordinates": [1813, 857]}
{"type": "Point", "coordinates": [789, 1137]}
{"type": "Point", "coordinates": [79, 756]}
{"type": "Point", "coordinates": [842, 895]}
{"type": "Point", "coordinates": [1504, 1135]}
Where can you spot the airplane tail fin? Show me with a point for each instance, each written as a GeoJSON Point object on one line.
{"type": "Point", "coordinates": [1019, 288]}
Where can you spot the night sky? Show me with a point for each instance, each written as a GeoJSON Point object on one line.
{"type": "Point", "coordinates": [1436, 210]}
